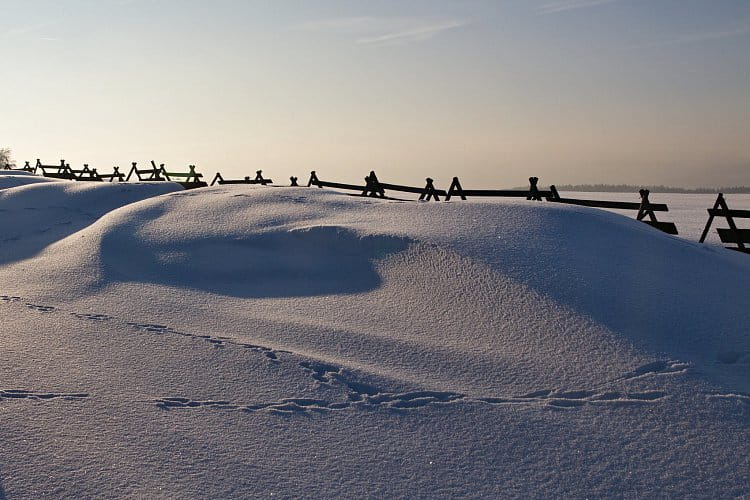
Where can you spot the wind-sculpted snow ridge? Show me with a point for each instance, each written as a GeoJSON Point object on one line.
{"type": "Point", "coordinates": [357, 394]}
{"type": "Point", "coordinates": [302, 243]}
{"type": "Point", "coordinates": [37, 215]}
{"type": "Point", "coordinates": [240, 341]}
{"type": "Point", "coordinates": [16, 178]}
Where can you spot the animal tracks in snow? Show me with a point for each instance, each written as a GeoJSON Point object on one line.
{"type": "Point", "coordinates": [363, 395]}
{"type": "Point", "coordinates": [265, 351]}
{"type": "Point", "coordinates": [43, 309]}
{"type": "Point", "coordinates": [271, 354]}
{"type": "Point", "coordinates": [657, 368]}
{"type": "Point", "coordinates": [576, 399]}
{"type": "Point", "coordinates": [736, 397]}
{"type": "Point", "coordinates": [24, 394]}
{"type": "Point", "coordinates": [359, 395]}
{"type": "Point", "coordinates": [33, 307]}
{"type": "Point", "coordinates": [153, 328]}
{"type": "Point", "coordinates": [177, 402]}
{"type": "Point", "coordinates": [306, 405]}
{"type": "Point", "coordinates": [91, 317]}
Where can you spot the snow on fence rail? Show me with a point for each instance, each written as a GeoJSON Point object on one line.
{"type": "Point", "coordinates": [192, 178]}
{"type": "Point", "coordinates": [373, 187]}
{"type": "Point", "coordinates": [61, 171]}
{"type": "Point", "coordinates": [147, 174]}
{"type": "Point", "coordinates": [64, 171]}
{"type": "Point", "coordinates": [376, 189]}
{"type": "Point", "coordinates": [247, 180]}
{"type": "Point", "coordinates": [26, 168]}
{"type": "Point", "coordinates": [645, 208]}
{"type": "Point", "coordinates": [532, 194]}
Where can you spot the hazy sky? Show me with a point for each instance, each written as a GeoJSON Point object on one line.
{"type": "Point", "coordinates": [572, 91]}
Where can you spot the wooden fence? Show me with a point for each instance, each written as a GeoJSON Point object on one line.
{"type": "Point", "coordinates": [373, 187]}
{"type": "Point", "coordinates": [733, 234]}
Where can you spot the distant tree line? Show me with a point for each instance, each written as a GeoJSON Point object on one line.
{"type": "Point", "coordinates": [6, 160]}
{"type": "Point", "coordinates": [630, 188]}
{"type": "Point", "coordinates": [5, 157]}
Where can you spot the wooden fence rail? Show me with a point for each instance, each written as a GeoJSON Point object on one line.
{"type": "Point", "coordinates": [26, 168]}
{"type": "Point", "coordinates": [740, 237]}
{"type": "Point", "coordinates": [645, 208]}
{"type": "Point", "coordinates": [373, 187]}
{"type": "Point", "coordinates": [376, 189]}
{"type": "Point", "coordinates": [192, 178]}
{"type": "Point", "coordinates": [61, 171]}
{"type": "Point", "coordinates": [533, 192]}
{"type": "Point", "coordinates": [147, 174]}
{"type": "Point", "coordinates": [247, 180]}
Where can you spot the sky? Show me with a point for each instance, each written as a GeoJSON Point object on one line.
{"type": "Point", "coordinates": [570, 91]}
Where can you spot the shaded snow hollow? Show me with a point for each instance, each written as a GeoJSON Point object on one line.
{"type": "Point", "coordinates": [239, 341]}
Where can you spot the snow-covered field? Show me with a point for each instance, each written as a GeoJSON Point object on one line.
{"type": "Point", "coordinates": [241, 341]}
{"type": "Point", "coordinates": [687, 211]}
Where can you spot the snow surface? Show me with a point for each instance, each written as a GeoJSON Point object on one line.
{"type": "Point", "coordinates": [14, 178]}
{"type": "Point", "coordinates": [687, 211]}
{"type": "Point", "coordinates": [240, 341]}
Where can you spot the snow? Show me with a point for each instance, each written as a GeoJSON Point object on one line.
{"type": "Point", "coordinates": [240, 341]}
{"type": "Point", "coordinates": [14, 178]}
{"type": "Point", "coordinates": [687, 211]}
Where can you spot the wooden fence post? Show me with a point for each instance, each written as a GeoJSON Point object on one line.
{"type": "Point", "coordinates": [132, 170]}
{"type": "Point", "coordinates": [429, 191]}
{"type": "Point", "coordinates": [314, 180]}
{"type": "Point", "coordinates": [455, 189]}
{"type": "Point", "coordinates": [645, 208]}
{"type": "Point", "coordinates": [373, 186]}
{"type": "Point", "coordinates": [721, 203]}
{"type": "Point", "coordinates": [533, 190]}
{"type": "Point", "coordinates": [719, 200]}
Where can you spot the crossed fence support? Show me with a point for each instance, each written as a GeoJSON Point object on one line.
{"type": "Point", "coordinates": [740, 237]}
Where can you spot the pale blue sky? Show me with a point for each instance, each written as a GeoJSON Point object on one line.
{"type": "Point", "coordinates": [635, 91]}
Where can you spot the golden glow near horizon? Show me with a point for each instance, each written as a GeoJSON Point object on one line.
{"type": "Point", "coordinates": [572, 91]}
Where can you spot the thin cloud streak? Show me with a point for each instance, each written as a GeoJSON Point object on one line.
{"type": "Point", "coordinates": [565, 5]}
{"type": "Point", "coordinates": [418, 34]}
{"type": "Point", "coordinates": [378, 32]}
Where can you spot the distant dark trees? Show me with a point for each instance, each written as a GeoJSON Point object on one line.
{"type": "Point", "coordinates": [628, 188]}
{"type": "Point", "coordinates": [4, 157]}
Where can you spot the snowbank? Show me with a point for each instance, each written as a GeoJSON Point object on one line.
{"type": "Point", "coordinates": [688, 211]}
{"type": "Point", "coordinates": [15, 178]}
{"type": "Point", "coordinates": [38, 214]}
{"type": "Point", "coordinates": [237, 341]}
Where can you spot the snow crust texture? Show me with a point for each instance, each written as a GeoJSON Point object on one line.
{"type": "Point", "coordinates": [242, 341]}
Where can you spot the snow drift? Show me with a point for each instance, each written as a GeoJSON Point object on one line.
{"type": "Point", "coordinates": [302, 342]}
{"type": "Point", "coordinates": [15, 178]}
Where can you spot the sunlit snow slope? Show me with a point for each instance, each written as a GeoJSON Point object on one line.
{"type": "Point", "coordinates": [15, 178]}
{"type": "Point", "coordinates": [239, 341]}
